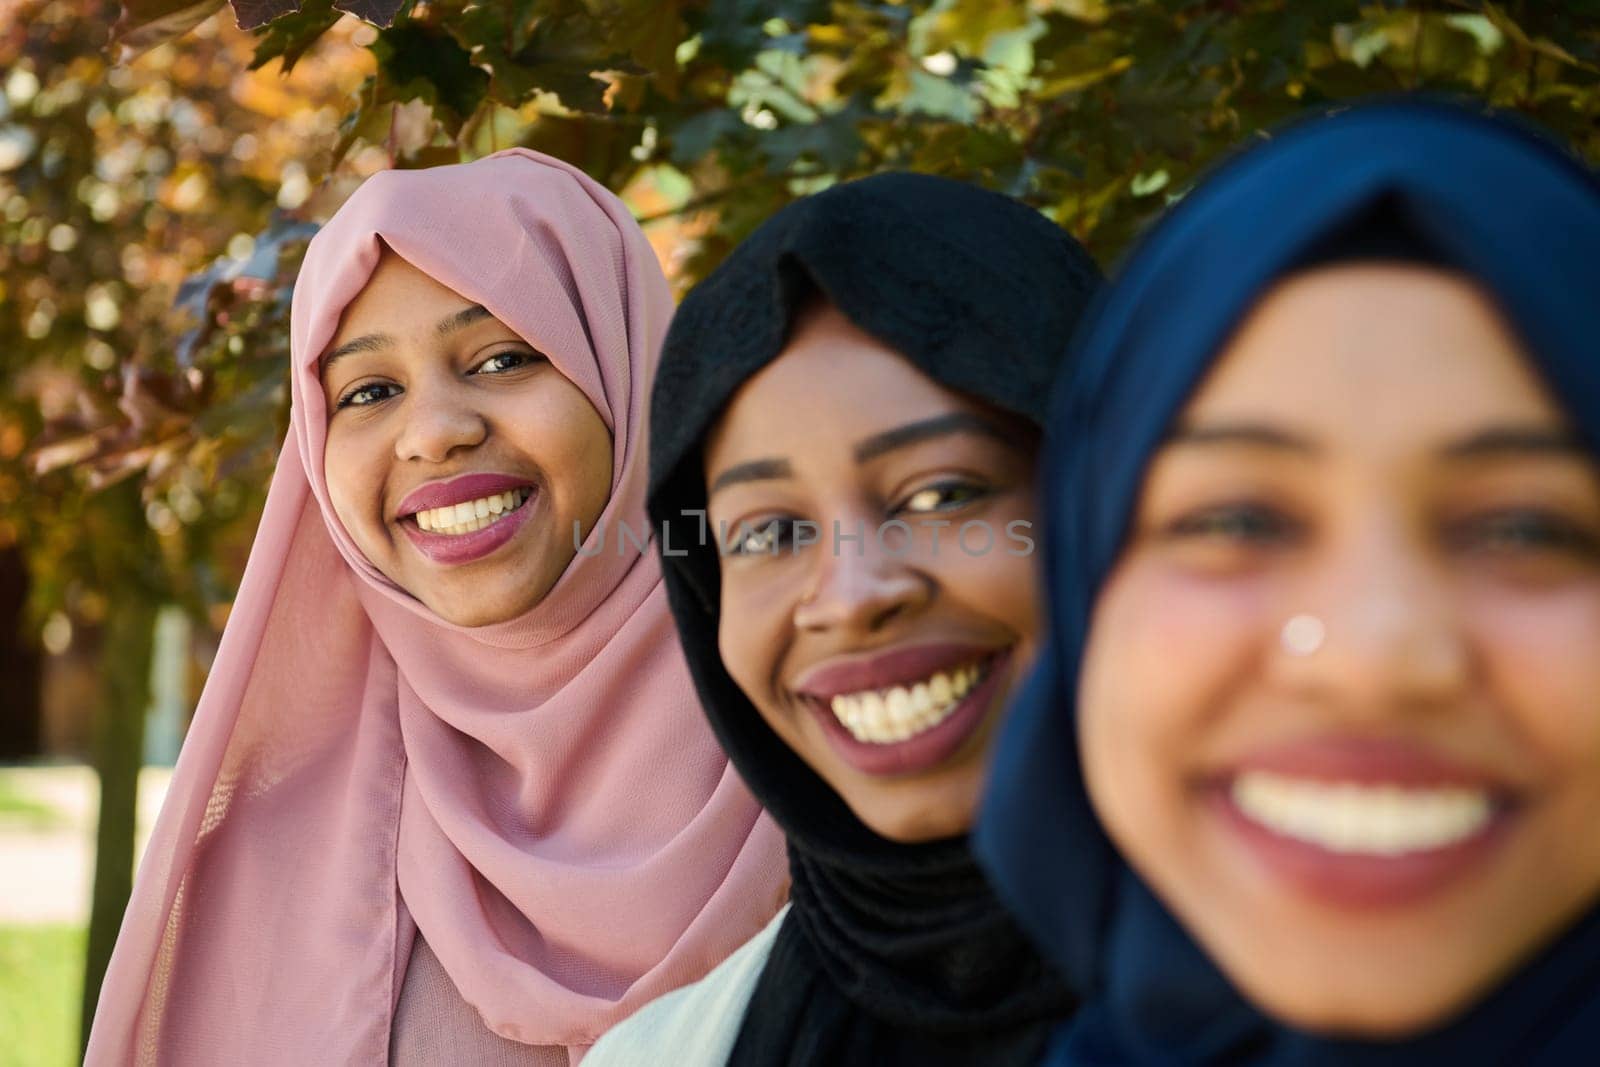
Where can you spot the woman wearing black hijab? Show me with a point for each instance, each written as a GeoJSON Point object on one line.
{"type": "Point", "coordinates": [849, 407]}
{"type": "Point", "coordinates": [1328, 461]}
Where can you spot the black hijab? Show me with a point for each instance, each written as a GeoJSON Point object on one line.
{"type": "Point", "coordinates": [1485, 197]}
{"type": "Point", "coordinates": [891, 953]}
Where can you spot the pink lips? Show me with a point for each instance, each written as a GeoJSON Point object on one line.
{"type": "Point", "coordinates": [465, 548]}
{"type": "Point", "coordinates": [924, 751]}
{"type": "Point", "coordinates": [1366, 760]}
{"type": "Point", "coordinates": [1358, 880]}
{"type": "Point", "coordinates": [458, 491]}
{"type": "Point", "coordinates": [880, 670]}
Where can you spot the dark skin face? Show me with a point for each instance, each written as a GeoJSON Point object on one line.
{"type": "Point", "coordinates": [841, 429]}
{"type": "Point", "coordinates": [1373, 450]}
{"type": "Point", "coordinates": [423, 386]}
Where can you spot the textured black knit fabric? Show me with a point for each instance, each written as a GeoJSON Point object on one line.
{"type": "Point", "coordinates": [891, 953]}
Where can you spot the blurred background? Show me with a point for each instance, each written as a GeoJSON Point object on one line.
{"type": "Point", "coordinates": [162, 163]}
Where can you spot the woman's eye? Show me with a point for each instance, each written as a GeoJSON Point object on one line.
{"type": "Point", "coordinates": [1525, 531]}
{"type": "Point", "coordinates": [501, 362]}
{"type": "Point", "coordinates": [942, 497]}
{"type": "Point", "coordinates": [762, 539]}
{"type": "Point", "coordinates": [367, 395]}
{"type": "Point", "coordinates": [1243, 523]}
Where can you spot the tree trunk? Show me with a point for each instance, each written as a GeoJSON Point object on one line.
{"type": "Point", "coordinates": [21, 721]}
{"type": "Point", "coordinates": [118, 749]}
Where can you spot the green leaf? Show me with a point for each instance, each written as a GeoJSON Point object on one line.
{"type": "Point", "coordinates": [832, 144]}
{"type": "Point", "coordinates": [964, 26]}
{"type": "Point", "coordinates": [732, 31]}
{"type": "Point", "coordinates": [290, 37]}
{"type": "Point", "coordinates": [1482, 30]}
{"type": "Point", "coordinates": [649, 31]}
{"type": "Point", "coordinates": [1151, 182]}
{"type": "Point", "coordinates": [940, 97]}
{"type": "Point", "coordinates": [564, 51]}
{"type": "Point", "coordinates": [421, 62]}
{"type": "Point", "coordinates": [700, 136]}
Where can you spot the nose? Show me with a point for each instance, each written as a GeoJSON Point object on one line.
{"type": "Point", "coordinates": [438, 421]}
{"type": "Point", "coordinates": [1392, 633]}
{"type": "Point", "coordinates": [858, 586]}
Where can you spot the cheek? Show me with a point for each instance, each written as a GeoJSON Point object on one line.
{"type": "Point", "coordinates": [569, 441]}
{"type": "Point", "coordinates": [993, 566]}
{"type": "Point", "coordinates": [355, 471]}
{"type": "Point", "coordinates": [751, 634]}
{"type": "Point", "coordinates": [1000, 585]}
{"type": "Point", "coordinates": [1164, 653]}
{"type": "Point", "coordinates": [1540, 657]}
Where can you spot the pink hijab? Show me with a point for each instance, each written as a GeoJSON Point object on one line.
{"type": "Point", "coordinates": [541, 799]}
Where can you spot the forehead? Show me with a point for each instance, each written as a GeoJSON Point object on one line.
{"type": "Point", "coordinates": [1374, 351]}
{"type": "Point", "coordinates": [832, 385]}
{"type": "Point", "coordinates": [396, 295]}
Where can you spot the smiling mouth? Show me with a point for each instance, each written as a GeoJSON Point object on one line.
{"type": "Point", "coordinates": [1374, 819]}
{"type": "Point", "coordinates": [470, 516]}
{"type": "Point", "coordinates": [897, 713]}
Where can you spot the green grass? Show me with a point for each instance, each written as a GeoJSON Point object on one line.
{"type": "Point", "coordinates": [41, 982]}
{"type": "Point", "coordinates": [17, 809]}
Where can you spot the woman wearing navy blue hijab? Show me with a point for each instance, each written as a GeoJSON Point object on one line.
{"type": "Point", "coordinates": [1309, 771]}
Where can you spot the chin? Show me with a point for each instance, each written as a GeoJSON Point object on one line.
{"type": "Point", "coordinates": [1365, 1011]}
{"type": "Point", "coordinates": [464, 609]}
{"type": "Point", "coordinates": [916, 824]}
{"type": "Point", "coordinates": [916, 835]}
{"type": "Point", "coordinates": [473, 613]}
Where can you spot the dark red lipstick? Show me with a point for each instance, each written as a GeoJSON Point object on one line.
{"type": "Point", "coordinates": [904, 667]}
{"type": "Point", "coordinates": [458, 491]}
{"type": "Point", "coordinates": [454, 549]}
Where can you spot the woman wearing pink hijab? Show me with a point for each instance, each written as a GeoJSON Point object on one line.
{"type": "Point", "coordinates": [448, 796]}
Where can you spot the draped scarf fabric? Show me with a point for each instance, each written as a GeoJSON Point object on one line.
{"type": "Point", "coordinates": [890, 952]}
{"type": "Point", "coordinates": [1483, 196]}
{"type": "Point", "coordinates": [539, 797]}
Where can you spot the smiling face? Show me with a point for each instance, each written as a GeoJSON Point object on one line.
{"type": "Point", "coordinates": [458, 458]}
{"type": "Point", "coordinates": [1372, 813]}
{"type": "Point", "coordinates": [882, 656]}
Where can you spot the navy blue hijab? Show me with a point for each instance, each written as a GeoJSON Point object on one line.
{"type": "Point", "coordinates": [1483, 196]}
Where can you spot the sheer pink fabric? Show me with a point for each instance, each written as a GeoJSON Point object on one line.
{"type": "Point", "coordinates": [541, 797]}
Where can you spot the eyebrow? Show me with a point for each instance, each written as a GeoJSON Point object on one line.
{"type": "Point", "coordinates": [375, 342]}
{"type": "Point", "coordinates": [462, 319]}
{"type": "Point", "coordinates": [929, 429]}
{"type": "Point", "coordinates": [1493, 443]}
{"type": "Point", "coordinates": [1254, 434]}
{"type": "Point", "coordinates": [872, 447]}
{"type": "Point", "coordinates": [1505, 441]}
{"type": "Point", "coordinates": [372, 342]}
{"type": "Point", "coordinates": [757, 470]}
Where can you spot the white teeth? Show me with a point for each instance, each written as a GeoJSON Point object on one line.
{"type": "Point", "coordinates": [1345, 817]}
{"type": "Point", "coordinates": [886, 716]}
{"type": "Point", "coordinates": [873, 713]}
{"type": "Point", "coordinates": [899, 704]}
{"type": "Point", "coordinates": [456, 519]}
